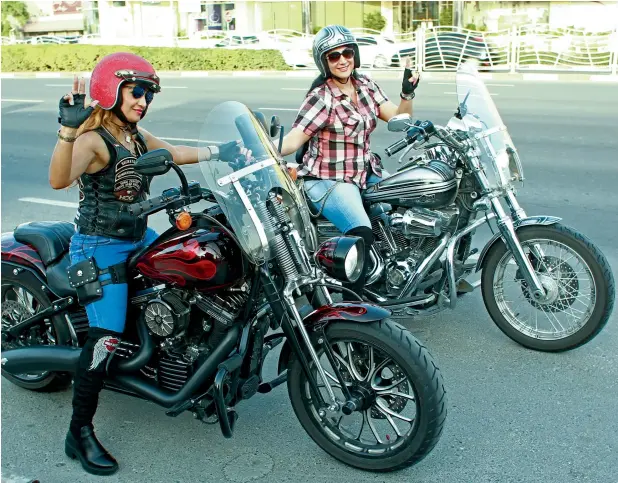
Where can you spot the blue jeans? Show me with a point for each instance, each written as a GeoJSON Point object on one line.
{"type": "Point", "coordinates": [110, 311]}
{"type": "Point", "coordinates": [343, 206]}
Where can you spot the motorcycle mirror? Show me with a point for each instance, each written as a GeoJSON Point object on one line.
{"type": "Point", "coordinates": [400, 122]}
{"type": "Point", "coordinates": [154, 163]}
{"type": "Point", "coordinates": [275, 126]}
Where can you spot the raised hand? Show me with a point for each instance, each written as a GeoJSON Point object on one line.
{"type": "Point", "coordinates": [72, 110]}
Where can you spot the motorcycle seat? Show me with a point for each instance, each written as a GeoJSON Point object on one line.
{"type": "Point", "coordinates": [50, 239]}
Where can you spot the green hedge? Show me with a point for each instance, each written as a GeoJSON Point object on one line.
{"type": "Point", "coordinates": [82, 58]}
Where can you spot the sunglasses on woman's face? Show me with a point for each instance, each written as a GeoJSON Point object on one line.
{"type": "Point", "coordinates": [139, 92]}
{"type": "Point", "coordinates": [335, 56]}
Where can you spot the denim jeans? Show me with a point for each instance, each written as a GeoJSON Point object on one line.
{"type": "Point", "coordinates": [343, 206]}
{"type": "Point", "coordinates": [110, 311]}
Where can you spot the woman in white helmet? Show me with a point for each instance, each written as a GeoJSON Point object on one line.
{"type": "Point", "coordinates": [333, 127]}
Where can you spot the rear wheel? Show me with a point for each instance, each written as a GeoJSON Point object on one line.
{"type": "Point", "coordinates": [23, 297]}
{"type": "Point", "coordinates": [402, 398]}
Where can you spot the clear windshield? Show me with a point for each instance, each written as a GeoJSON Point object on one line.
{"type": "Point", "coordinates": [481, 118]}
{"type": "Point", "coordinates": [243, 186]}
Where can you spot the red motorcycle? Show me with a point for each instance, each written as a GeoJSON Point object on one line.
{"type": "Point", "coordinates": [215, 293]}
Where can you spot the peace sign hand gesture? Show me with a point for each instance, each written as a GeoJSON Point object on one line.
{"type": "Point", "coordinates": [72, 112]}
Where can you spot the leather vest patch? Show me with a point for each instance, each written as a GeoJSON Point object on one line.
{"type": "Point", "coordinates": [127, 183]}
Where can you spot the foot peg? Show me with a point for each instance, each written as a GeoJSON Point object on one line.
{"type": "Point", "coordinates": [266, 387]}
{"type": "Point", "coordinates": [463, 286]}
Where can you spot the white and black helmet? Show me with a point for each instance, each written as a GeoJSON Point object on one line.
{"type": "Point", "coordinates": [328, 38]}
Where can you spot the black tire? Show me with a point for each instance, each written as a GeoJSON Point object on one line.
{"type": "Point", "coordinates": [599, 267]}
{"type": "Point", "coordinates": [415, 361]}
{"type": "Point", "coordinates": [53, 381]}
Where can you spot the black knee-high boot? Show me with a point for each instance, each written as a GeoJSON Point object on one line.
{"type": "Point", "coordinates": [367, 235]}
{"type": "Point", "coordinates": [81, 443]}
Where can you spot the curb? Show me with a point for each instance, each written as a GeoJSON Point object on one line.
{"type": "Point", "coordinates": [376, 74]}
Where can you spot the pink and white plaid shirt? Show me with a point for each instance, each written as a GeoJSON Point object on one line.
{"type": "Point", "coordinates": [339, 147]}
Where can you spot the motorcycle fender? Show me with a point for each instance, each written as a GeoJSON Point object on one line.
{"type": "Point", "coordinates": [15, 253]}
{"type": "Point", "coordinates": [351, 312]}
{"type": "Point", "coordinates": [531, 220]}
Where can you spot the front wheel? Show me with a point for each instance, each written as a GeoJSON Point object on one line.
{"type": "Point", "coordinates": [577, 279]}
{"type": "Point", "coordinates": [403, 401]}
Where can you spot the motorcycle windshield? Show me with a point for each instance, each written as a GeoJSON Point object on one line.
{"type": "Point", "coordinates": [481, 118]}
{"type": "Point", "coordinates": [250, 189]}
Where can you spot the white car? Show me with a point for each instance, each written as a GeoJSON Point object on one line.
{"type": "Point", "coordinates": [375, 51]}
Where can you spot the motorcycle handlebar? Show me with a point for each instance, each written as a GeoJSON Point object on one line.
{"type": "Point", "coordinates": [147, 207]}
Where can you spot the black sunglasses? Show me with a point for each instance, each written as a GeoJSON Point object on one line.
{"type": "Point", "coordinates": [139, 91]}
{"type": "Point", "coordinates": [335, 56]}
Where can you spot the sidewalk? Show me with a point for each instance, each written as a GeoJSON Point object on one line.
{"type": "Point", "coordinates": [376, 74]}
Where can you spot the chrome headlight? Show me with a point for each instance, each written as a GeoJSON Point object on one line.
{"type": "Point", "coordinates": [342, 257]}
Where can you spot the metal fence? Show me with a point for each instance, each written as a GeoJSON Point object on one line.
{"type": "Point", "coordinates": [529, 48]}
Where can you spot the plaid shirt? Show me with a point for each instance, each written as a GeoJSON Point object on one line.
{"type": "Point", "coordinates": [339, 147]}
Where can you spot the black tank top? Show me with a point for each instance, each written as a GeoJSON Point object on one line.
{"type": "Point", "coordinates": [105, 195]}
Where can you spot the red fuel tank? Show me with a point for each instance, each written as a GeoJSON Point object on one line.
{"type": "Point", "coordinates": [204, 259]}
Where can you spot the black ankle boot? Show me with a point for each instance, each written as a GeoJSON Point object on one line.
{"type": "Point", "coordinates": [92, 455]}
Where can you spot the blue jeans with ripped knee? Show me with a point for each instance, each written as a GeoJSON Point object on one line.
{"type": "Point", "coordinates": [343, 206]}
{"type": "Point", "coordinates": [110, 311]}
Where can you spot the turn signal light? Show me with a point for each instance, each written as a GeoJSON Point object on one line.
{"type": "Point", "coordinates": [184, 221]}
{"type": "Point", "coordinates": [293, 172]}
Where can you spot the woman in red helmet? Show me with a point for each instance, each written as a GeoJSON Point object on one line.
{"type": "Point", "coordinates": [97, 148]}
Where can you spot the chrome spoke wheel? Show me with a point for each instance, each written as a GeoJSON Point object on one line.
{"type": "Point", "coordinates": [569, 286]}
{"type": "Point", "coordinates": [387, 416]}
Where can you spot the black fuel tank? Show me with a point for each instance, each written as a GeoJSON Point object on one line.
{"type": "Point", "coordinates": [428, 185]}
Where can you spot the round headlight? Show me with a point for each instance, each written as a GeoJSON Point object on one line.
{"type": "Point", "coordinates": [351, 262]}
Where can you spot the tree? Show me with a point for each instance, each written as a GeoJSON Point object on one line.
{"type": "Point", "coordinates": [375, 21]}
{"type": "Point", "coordinates": [446, 15]}
{"type": "Point", "coordinates": [14, 16]}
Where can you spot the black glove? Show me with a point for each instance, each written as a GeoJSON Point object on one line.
{"type": "Point", "coordinates": [74, 115]}
{"type": "Point", "coordinates": [229, 151]}
{"type": "Point", "coordinates": [407, 87]}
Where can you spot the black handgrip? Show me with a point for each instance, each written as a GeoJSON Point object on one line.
{"type": "Point", "coordinates": [396, 146]}
{"type": "Point", "coordinates": [149, 206]}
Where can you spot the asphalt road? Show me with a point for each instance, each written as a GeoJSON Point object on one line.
{"type": "Point", "coordinates": [514, 414]}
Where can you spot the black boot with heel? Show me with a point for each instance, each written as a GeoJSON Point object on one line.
{"type": "Point", "coordinates": [81, 442]}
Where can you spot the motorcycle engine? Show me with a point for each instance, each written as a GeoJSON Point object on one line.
{"type": "Point", "coordinates": [187, 336]}
{"type": "Point", "coordinates": [423, 222]}
{"type": "Point", "coordinates": [166, 315]}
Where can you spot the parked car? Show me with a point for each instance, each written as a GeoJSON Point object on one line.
{"type": "Point", "coordinates": [447, 50]}
{"type": "Point", "coordinates": [375, 51]}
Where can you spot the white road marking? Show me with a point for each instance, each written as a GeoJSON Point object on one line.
{"type": "Point", "coordinates": [454, 93]}
{"type": "Point", "coordinates": [47, 75]}
{"type": "Point", "coordinates": [21, 100]}
{"type": "Point", "coordinates": [42, 201]}
{"type": "Point", "coordinates": [487, 84]}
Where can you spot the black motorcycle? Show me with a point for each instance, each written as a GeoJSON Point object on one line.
{"type": "Point", "coordinates": [214, 294]}
{"type": "Point", "coordinates": [545, 285]}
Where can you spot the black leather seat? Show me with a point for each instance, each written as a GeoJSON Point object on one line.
{"type": "Point", "coordinates": [50, 239]}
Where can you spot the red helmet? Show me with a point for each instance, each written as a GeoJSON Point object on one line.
{"type": "Point", "coordinates": [113, 70]}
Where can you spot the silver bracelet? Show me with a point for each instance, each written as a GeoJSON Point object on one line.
{"type": "Point", "coordinates": [214, 153]}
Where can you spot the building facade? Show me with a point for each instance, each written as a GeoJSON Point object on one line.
{"type": "Point", "coordinates": [124, 19]}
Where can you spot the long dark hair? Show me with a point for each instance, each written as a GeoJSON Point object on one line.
{"type": "Point", "coordinates": [321, 80]}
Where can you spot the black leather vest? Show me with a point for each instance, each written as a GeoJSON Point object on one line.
{"type": "Point", "coordinates": [105, 195]}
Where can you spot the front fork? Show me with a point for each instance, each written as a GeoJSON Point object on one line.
{"type": "Point", "coordinates": [507, 230]}
{"type": "Point", "coordinates": [284, 309]}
